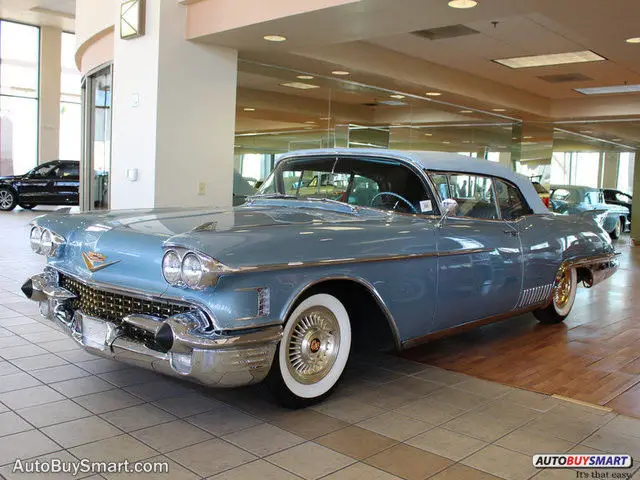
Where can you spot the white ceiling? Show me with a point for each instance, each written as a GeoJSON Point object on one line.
{"type": "Point", "coordinates": [57, 13]}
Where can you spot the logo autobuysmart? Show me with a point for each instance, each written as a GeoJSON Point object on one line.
{"type": "Point", "coordinates": [566, 460]}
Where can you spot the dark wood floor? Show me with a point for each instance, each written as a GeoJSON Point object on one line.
{"type": "Point", "coordinates": [594, 356]}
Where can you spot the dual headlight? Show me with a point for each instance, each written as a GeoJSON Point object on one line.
{"type": "Point", "coordinates": [45, 242]}
{"type": "Point", "coordinates": [185, 268]}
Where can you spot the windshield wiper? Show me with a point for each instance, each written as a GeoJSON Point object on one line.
{"type": "Point", "coordinates": [273, 195]}
{"type": "Point", "coordinates": [354, 208]}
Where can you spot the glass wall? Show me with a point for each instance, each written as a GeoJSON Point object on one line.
{"type": "Point", "coordinates": [19, 74]}
{"type": "Point", "coordinates": [70, 108]}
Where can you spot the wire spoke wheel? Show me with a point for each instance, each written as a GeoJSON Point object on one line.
{"type": "Point", "coordinates": [313, 346]}
{"type": "Point", "coordinates": [562, 288]}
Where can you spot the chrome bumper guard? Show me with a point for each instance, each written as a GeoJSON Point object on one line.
{"type": "Point", "coordinates": [597, 268]}
{"type": "Point", "coordinates": [209, 358]}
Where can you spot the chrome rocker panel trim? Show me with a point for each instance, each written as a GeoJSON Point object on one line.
{"type": "Point", "coordinates": [209, 358]}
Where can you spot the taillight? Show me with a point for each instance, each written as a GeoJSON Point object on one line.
{"type": "Point", "coordinates": [545, 200]}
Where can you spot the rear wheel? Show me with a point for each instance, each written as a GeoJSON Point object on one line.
{"type": "Point", "coordinates": [313, 352]}
{"type": "Point", "coordinates": [617, 230]}
{"type": "Point", "coordinates": [564, 295]}
{"type": "Point", "coordinates": [8, 199]}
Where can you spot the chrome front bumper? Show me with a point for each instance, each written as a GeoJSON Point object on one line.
{"type": "Point", "coordinates": [177, 349]}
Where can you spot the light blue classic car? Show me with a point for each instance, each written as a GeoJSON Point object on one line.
{"type": "Point", "coordinates": [572, 199]}
{"type": "Point", "coordinates": [337, 248]}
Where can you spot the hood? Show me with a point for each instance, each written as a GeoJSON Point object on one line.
{"type": "Point", "coordinates": [10, 178]}
{"type": "Point", "coordinates": [134, 240]}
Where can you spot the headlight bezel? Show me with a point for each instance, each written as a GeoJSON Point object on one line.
{"type": "Point", "coordinates": [211, 269]}
{"type": "Point", "coordinates": [51, 248]}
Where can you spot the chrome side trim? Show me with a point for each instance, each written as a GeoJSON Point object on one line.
{"type": "Point", "coordinates": [534, 295]}
{"type": "Point", "coordinates": [372, 290]}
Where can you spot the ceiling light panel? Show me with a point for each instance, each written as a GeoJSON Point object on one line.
{"type": "Point", "coordinates": [634, 88]}
{"type": "Point", "coordinates": [550, 59]}
{"type": "Point", "coordinates": [299, 85]}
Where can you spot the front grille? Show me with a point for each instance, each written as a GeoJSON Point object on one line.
{"type": "Point", "coordinates": [114, 306]}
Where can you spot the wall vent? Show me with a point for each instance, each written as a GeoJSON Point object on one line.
{"type": "Point", "coordinates": [565, 77]}
{"type": "Point", "coordinates": [450, 31]}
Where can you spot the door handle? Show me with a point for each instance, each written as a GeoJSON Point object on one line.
{"type": "Point", "coordinates": [513, 233]}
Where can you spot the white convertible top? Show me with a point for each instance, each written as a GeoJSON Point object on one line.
{"type": "Point", "coordinates": [439, 161]}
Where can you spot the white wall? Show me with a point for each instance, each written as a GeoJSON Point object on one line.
{"type": "Point", "coordinates": [94, 16]}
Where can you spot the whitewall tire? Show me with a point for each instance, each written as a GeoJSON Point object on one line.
{"type": "Point", "coordinates": [313, 352]}
{"type": "Point", "coordinates": [564, 296]}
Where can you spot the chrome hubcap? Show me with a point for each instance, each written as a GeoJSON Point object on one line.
{"type": "Point", "coordinates": [6, 199]}
{"type": "Point", "coordinates": [313, 346]}
{"type": "Point", "coordinates": [562, 288]}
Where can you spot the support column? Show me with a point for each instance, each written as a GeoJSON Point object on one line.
{"type": "Point", "coordinates": [49, 109]}
{"type": "Point", "coordinates": [173, 116]}
{"type": "Point", "coordinates": [635, 207]}
{"type": "Point", "coordinates": [611, 161]}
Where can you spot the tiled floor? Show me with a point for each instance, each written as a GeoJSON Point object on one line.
{"type": "Point", "coordinates": [391, 418]}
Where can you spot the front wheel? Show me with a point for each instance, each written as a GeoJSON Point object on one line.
{"type": "Point", "coordinates": [8, 199]}
{"type": "Point", "coordinates": [313, 352]}
{"type": "Point", "coordinates": [564, 295]}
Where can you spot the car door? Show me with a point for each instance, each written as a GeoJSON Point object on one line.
{"type": "Point", "coordinates": [65, 184]}
{"type": "Point", "coordinates": [479, 255]}
{"type": "Point", "coordinates": [35, 187]}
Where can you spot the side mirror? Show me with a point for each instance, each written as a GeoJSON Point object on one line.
{"type": "Point", "coordinates": [449, 207]}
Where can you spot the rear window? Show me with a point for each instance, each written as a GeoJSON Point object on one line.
{"type": "Point", "coordinates": [539, 188]}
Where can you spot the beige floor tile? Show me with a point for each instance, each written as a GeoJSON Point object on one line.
{"type": "Point", "coordinates": [611, 442]}
{"type": "Point", "coordinates": [7, 368]}
{"type": "Point", "coordinates": [30, 328]}
{"type": "Point", "coordinates": [75, 356]}
{"type": "Point", "coordinates": [310, 460]}
{"type": "Point", "coordinates": [430, 412]}
{"type": "Point", "coordinates": [188, 405]}
{"type": "Point", "coordinates": [502, 463]}
{"type": "Point", "coordinates": [13, 341]}
{"type": "Point", "coordinates": [108, 401]}
{"type": "Point", "coordinates": [59, 373]}
{"type": "Point", "coordinates": [54, 412]}
{"type": "Point", "coordinates": [211, 457]}
{"type": "Point", "coordinates": [30, 397]}
{"type": "Point", "coordinates": [114, 449]}
{"type": "Point", "coordinates": [348, 410]}
{"type": "Point", "coordinates": [356, 442]}
{"type": "Point", "coordinates": [479, 425]}
{"type": "Point", "coordinates": [444, 377]}
{"type": "Point", "coordinates": [17, 381]}
{"type": "Point", "coordinates": [27, 444]}
{"type": "Point", "coordinates": [536, 401]}
{"type": "Point", "coordinates": [84, 430]}
{"type": "Point", "coordinates": [223, 420]}
{"type": "Point", "coordinates": [531, 442]}
{"type": "Point", "coordinates": [264, 439]}
{"type": "Point", "coordinates": [462, 472]}
{"type": "Point", "coordinates": [57, 346]}
{"type": "Point", "coordinates": [11, 423]}
{"type": "Point", "coordinates": [101, 365]}
{"type": "Point", "coordinates": [508, 412]}
{"type": "Point", "coordinates": [457, 398]}
{"type": "Point", "coordinates": [395, 426]}
{"type": "Point", "coordinates": [623, 425]}
{"type": "Point", "coordinates": [447, 443]}
{"type": "Point", "coordinates": [158, 389]}
{"type": "Point", "coordinates": [140, 416]}
{"type": "Point", "coordinates": [259, 470]}
{"type": "Point", "coordinates": [167, 469]}
{"type": "Point", "coordinates": [556, 474]}
{"type": "Point", "coordinates": [307, 423]}
{"type": "Point", "coordinates": [409, 462]}
{"type": "Point", "coordinates": [22, 351]}
{"type": "Point", "coordinates": [360, 471]}
{"type": "Point", "coordinates": [81, 386]}
{"type": "Point", "coordinates": [9, 474]}
{"type": "Point", "coordinates": [386, 397]}
{"type": "Point", "coordinates": [569, 429]}
{"type": "Point", "coordinates": [129, 377]}
{"type": "Point", "coordinates": [171, 436]}
{"type": "Point", "coordinates": [43, 336]}
{"type": "Point", "coordinates": [39, 361]}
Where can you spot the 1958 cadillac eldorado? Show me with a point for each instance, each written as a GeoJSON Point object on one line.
{"type": "Point", "coordinates": [336, 246]}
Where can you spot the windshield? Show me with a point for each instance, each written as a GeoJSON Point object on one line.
{"type": "Point", "coordinates": [378, 183]}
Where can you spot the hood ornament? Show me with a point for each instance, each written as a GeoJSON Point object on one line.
{"type": "Point", "coordinates": [95, 261]}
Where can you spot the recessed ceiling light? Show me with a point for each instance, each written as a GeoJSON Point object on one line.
{"type": "Point", "coordinates": [586, 131]}
{"type": "Point", "coordinates": [527, 137]}
{"type": "Point", "coordinates": [433, 94]}
{"type": "Point", "coordinates": [633, 40]}
{"type": "Point", "coordinates": [308, 128]}
{"type": "Point", "coordinates": [428, 134]}
{"type": "Point", "coordinates": [616, 139]}
{"type": "Point", "coordinates": [463, 3]}
{"type": "Point", "coordinates": [249, 109]}
{"type": "Point", "coordinates": [499, 109]}
{"type": "Point", "coordinates": [309, 121]}
{"type": "Point", "coordinates": [608, 90]}
{"type": "Point", "coordinates": [397, 95]}
{"type": "Point", "coordinates": [466, 111]}
{"type": "Point", "coordinates": [340, 72]}
{"type": "Point", "coordinates": [325, 118]}
{"type": "Point", "coordinates": [274, 38]}
{"type": "Point", "coordinates": [305, 77]}
{"type": "Point", "coordinates": [299, 85]}
{"type": "Point", "coordinates": [446, 142]}
{"type": "Point", "coordinates": [550, 59]}
{"type": "Point", "coordinates": [466, 141]}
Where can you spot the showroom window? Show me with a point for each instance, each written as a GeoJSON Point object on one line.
{"type": "Point", "coordinates": [625, 172]}
{"type": "Point", "coordinates": [19, 72]}
{"type": "Point", "coordinates": [70, 109]}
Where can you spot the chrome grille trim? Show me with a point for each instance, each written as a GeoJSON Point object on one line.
{"type": "Point", "coordinates": [114, 307]}
{"type": "Point", "coordinates": [534, 295]}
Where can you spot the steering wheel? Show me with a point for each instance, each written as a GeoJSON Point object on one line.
{"type": "Point", "coordinates": [399, 197]}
